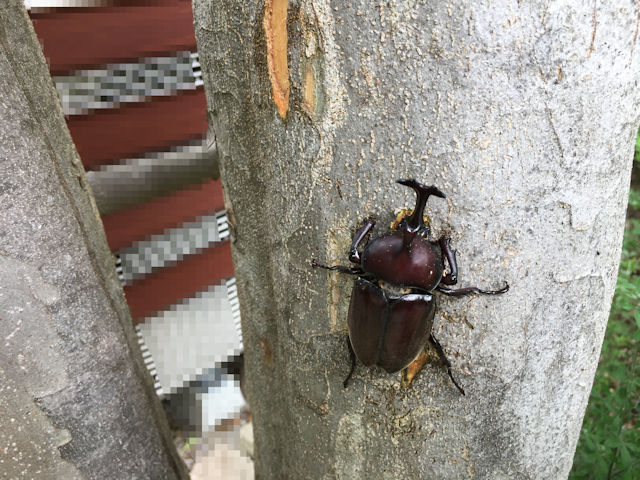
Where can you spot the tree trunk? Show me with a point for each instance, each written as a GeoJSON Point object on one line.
{"type": "Point", "coordinates": [524, 114]}
{"type": "Point", "coordinates": [75, 398]}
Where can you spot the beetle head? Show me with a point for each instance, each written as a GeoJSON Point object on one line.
{"type": "Point", "coordinates": [415, 222]}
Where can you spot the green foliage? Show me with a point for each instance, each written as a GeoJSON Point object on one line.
{"type": "Point", "coordinates": [634, 199]}
{"type": "Point", "coordinates": [609, 444]}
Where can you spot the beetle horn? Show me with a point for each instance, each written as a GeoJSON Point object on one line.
{"type": "Point", "coordinates": [423, 193]}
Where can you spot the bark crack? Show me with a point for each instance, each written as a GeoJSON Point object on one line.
{"type": "Point", "coordinates": [555, 132]}
{"type": "Point", "coordinates": [595, 27]}
{"type": "Point", "coordinates": [635, 34]}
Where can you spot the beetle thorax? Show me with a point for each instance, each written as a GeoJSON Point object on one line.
{"type": "Point", "coordinates": [417, 263]}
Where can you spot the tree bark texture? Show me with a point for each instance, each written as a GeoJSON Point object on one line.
{"type": "Point", "coordinates": [524, 114]}
{"type": "Point", "coordinates": [75, 398]}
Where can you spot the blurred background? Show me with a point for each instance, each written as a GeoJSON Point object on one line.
{"type": "Point", "coordinates": [130, 84]}
{"type": "Point", "coordinates": [609, 444]}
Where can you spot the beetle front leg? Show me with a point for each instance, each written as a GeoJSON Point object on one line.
{"type": "Point", "coordinates": [339, 268]}
{"type": "Point", "coordinates": [358, 238]}
{"type": "Point", "coordinates": [354, 255]}
{"type": "Point", "coordinates": [450, 278]}
{"type": "Point", "coordinates": [445, 360]}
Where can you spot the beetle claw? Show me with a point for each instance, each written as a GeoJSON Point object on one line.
{"type": "Point", "coordinates": [454, 381]}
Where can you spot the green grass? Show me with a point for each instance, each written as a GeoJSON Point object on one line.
{"type": "Point", "coordinates": [609, 444]}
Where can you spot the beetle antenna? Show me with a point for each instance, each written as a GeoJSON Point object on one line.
{"type": "Point", "coordinates": [423, 192]}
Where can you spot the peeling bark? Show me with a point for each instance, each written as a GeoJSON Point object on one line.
{"type": "Point", "coordinates": [275, 29]}
{"type": "Point", "coordinates": [526, 119]}
{"type": "Point", "coordinates": [75, 398]}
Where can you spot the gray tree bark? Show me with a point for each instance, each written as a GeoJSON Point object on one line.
{"type": "Point", "coordinates": [75, 398]}
{"type": "Point", "coordinates": [524, 114]}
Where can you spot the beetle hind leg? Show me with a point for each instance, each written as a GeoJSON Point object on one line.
{"type": "Point", "coordinates": [352, 354]}
{"type": "Point", "coordinates": [445, 360]}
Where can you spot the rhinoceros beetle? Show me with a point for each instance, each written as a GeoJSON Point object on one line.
{"type": "Point", "coordinates": [392, 303]}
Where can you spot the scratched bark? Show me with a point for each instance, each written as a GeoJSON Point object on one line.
{"type": "Point", "coordinates": [75, 398]}
{"type": "Point", "coordinates": [524, 114]}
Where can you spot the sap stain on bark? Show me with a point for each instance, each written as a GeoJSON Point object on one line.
{"type": "Point", "coordinates": [275, 27]}
{"type": "Point", "coordinates": [267, 352]}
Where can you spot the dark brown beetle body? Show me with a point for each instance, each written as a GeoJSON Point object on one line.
{"type": "Point", "coordinates": [388, 332]}
{"type": "Point", "coordinates": [392, 308]}
{"type": "Point", "coordinates": [418, 266]}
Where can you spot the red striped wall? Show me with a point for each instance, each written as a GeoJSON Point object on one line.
{"type": "Point", "coordinates": [81, 38]}
{"type": "Point", "coordinates": [87, 38]}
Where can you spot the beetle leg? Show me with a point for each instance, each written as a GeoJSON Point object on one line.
{"type": "Point", "coordinates": [354, 255]}
{"type": "Point", "coordinates": [339, 268]}
{"type": "Point", "coordinates": [470, 290]}
{"type": "Point", "coordinates": [450, 278]}
{"type": "Point", "coordinates": [352, 354]}
{"type": "Point", "coordinates": [361, 233]}
{"type": "Point", "coordinates": [445, 360]}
